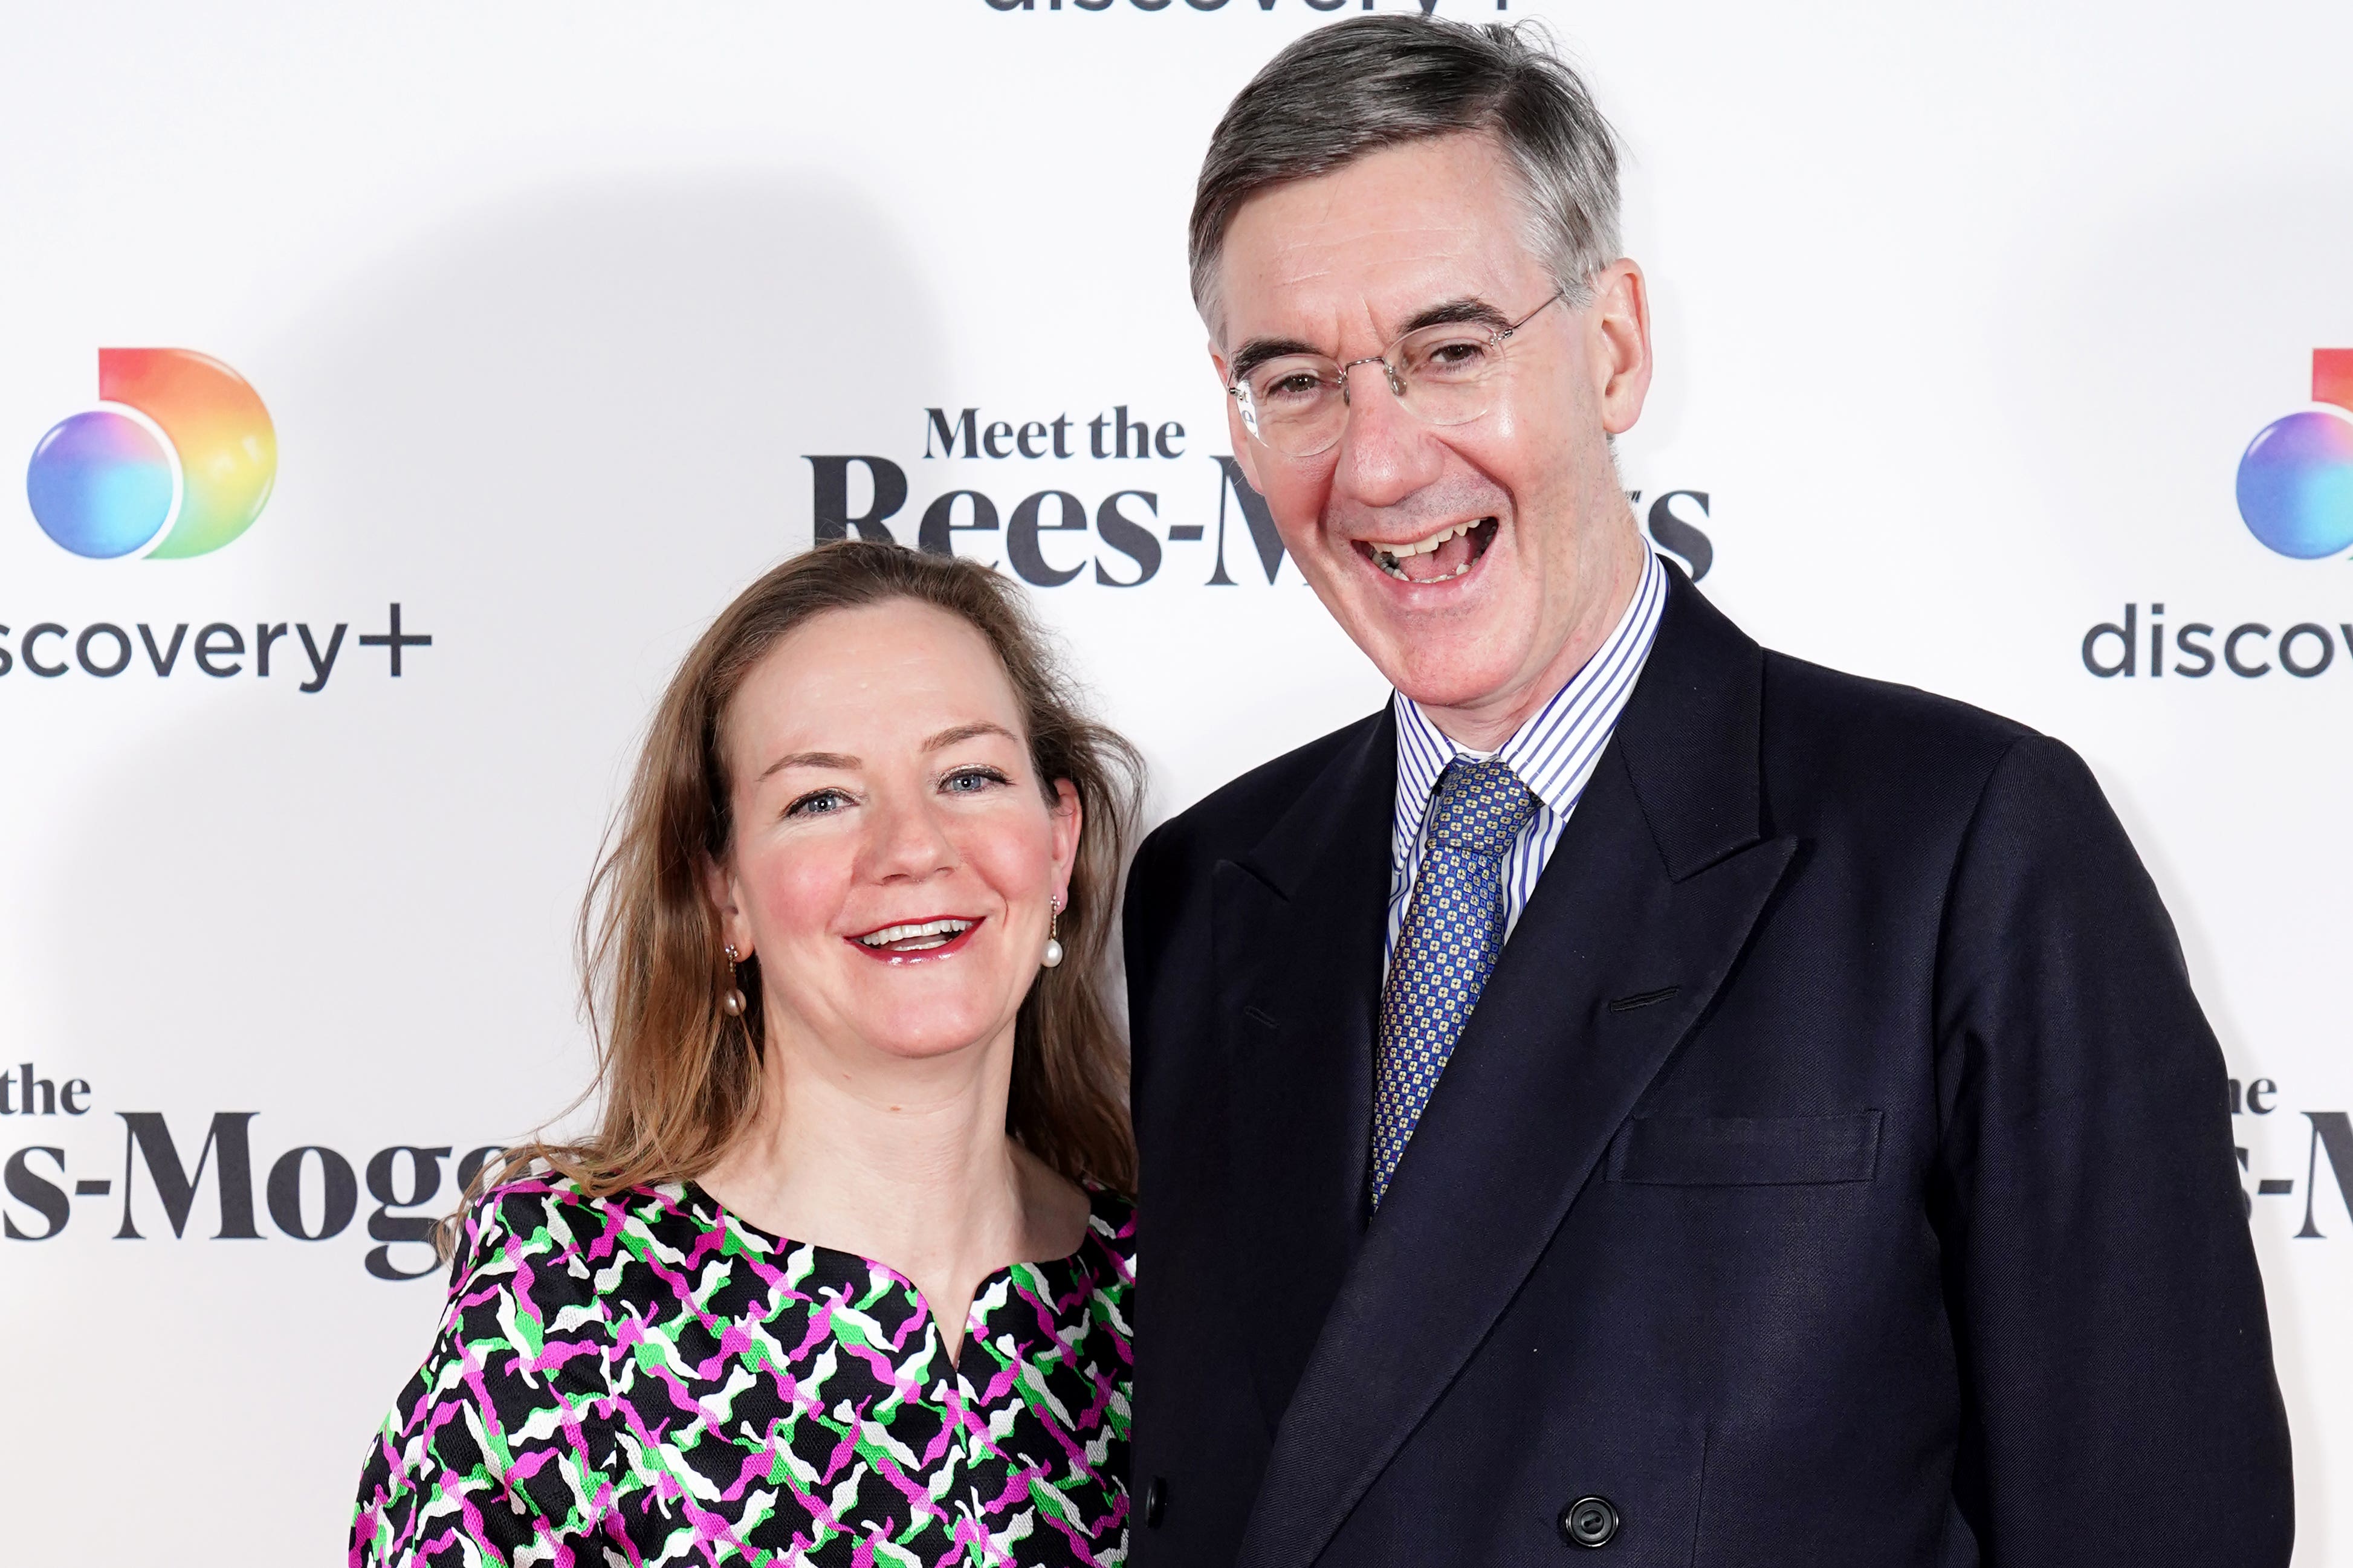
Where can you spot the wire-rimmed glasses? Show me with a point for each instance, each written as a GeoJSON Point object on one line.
{"type": "Point", "coordinates": [1445, 374]}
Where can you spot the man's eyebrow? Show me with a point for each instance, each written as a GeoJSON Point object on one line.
{"type": "Point", "coordinates": [1469, 308]}
{"type": "Point", "coordinates": [962, 732]}
{"type": "Point", "coordinates": [836, 761]}
{"type": "Point", "coordinates": [1258, 350]}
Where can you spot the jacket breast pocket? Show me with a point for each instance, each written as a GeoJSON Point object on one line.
{"type": "Point", "coordinates": [1745, 1151]}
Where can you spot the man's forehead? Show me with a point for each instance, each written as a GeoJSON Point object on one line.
{"type": "Point", "coordinates": [1377, 241]}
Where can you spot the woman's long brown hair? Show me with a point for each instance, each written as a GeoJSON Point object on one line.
{"type": "Point", "coordinates": [678, 1078]}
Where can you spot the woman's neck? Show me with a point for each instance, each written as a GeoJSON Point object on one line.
{"type": "Point", "coordinates": [906, 1162]}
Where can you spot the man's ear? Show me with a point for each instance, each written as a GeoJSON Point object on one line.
{"type": "Point", "coordinates": [718, 887]}
{"type": "Point", "coordinates": [1619, 322]}
{"type": "Point", "coordinates": [1245, 449]}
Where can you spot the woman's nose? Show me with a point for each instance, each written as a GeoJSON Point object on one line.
{"type": "Point", "coordinates": [908, 840]}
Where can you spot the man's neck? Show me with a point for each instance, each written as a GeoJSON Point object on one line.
{"type": "Point", "coordinates": [1485, 725]}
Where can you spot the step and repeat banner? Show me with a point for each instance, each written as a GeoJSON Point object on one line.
{"type": "Point", "coordinates": [444, 367]}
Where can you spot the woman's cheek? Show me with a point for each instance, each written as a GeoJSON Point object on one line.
{"type": "Point", "coordinates": [1015, 854]}
{"type": "Point", "coordinates": [799, 889]}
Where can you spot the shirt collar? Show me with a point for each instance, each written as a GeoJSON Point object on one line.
{"type": "Point", "coordinates": [1554, 752]}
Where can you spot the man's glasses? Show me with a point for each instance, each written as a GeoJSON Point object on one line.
{"type": "Point", "coordinates": [1442, 374]}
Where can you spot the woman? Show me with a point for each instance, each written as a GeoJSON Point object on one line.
{"type": "Point", "coordinates": [843, 1276]}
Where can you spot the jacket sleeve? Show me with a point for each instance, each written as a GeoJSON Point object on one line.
{"type": "Point", "coordinates": [2120, 1404]}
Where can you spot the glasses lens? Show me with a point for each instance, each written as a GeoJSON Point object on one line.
{"type": "Point", "coordinates": [1449, 372]}
{"type": "Point", "coordinates": [1296, 403]}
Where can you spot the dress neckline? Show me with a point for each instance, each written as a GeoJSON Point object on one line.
{"type": "Point", "coordinates": [1088, 1258]}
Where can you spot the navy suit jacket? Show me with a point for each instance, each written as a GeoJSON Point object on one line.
{"type": "Point", "coordinates": [1836, 1169]}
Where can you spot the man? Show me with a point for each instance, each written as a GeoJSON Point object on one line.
{"type": "Point", "coordinates": [1637, 1092]}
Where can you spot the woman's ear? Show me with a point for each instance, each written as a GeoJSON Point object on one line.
{"type": "Point", "coordinates": [1070, 817]}
{"type": "Point", "coordinates": [719, 886]}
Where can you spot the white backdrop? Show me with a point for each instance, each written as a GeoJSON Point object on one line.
{"type": "Point", "coordinates": [1965, 316]}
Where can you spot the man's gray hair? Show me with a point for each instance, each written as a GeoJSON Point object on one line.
{"type": "Point", "coordinates": [1372, 82]}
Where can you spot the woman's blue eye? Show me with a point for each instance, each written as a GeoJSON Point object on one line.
{"type": "Point", "coordinates": [823, 802]}
{"type": "Point", "coordinates": [971, 780]}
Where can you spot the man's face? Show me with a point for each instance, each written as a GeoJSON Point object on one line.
{"type": "Point", "coordinates": [1344, 264]}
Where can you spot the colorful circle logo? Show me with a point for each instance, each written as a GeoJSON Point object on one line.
{"type": "Point", "coordinates": [178, 460]}
{"type": "Point", "coordinates": [2295, 479]}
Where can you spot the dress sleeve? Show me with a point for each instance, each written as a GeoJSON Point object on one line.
{"type": "Point", "coordinates": [484, 1458]}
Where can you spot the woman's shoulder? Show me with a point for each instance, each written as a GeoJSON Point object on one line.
{"type": "Point", "coordinates": [543, 1216]}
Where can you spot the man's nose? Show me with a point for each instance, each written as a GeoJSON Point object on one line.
{"type": "Point", "coordinates": [1385, 453]}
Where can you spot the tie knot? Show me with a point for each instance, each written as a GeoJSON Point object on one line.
{"type": "Point", "coordinates": [1481, 806]}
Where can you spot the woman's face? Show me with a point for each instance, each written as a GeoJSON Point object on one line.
{"type": "Point", "coordinates": [894, 850]}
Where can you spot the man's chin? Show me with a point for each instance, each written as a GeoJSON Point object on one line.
{"type": "Point", "coordinates": [1456, 669]}
{"type": "Point", "coordinates": [1434, 643]}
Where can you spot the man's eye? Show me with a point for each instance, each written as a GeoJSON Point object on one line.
{"type": "Point", "coordinates": [1291, 386]}
{"type": "Point", "coordinates": [1459, 354]}
{"type": "Point", "coordinates": [820, 803]}
{"type": "Point", "coordinates": [971, 780]}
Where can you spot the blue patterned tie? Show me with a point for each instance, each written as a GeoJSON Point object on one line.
{"type": "Point", "coordinates": [1453, 930]}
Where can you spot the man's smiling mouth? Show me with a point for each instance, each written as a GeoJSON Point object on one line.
{"type": "Point", "coordinates": [1446, 554]}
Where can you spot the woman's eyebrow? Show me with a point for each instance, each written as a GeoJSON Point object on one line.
{"type": "Point", "coordinates": [842, 762]}
{"type": "Point", "coordinates": [960, 733]}
{"type": "Point", "coordinates": [838, 762]}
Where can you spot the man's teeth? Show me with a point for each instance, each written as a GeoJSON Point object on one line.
{"type": "Point", "coordinates": [1390, 558]}
{"type": "Point", "coordinates": [1389, 566]}
{"type": "Point", "coordinates": [917, 938]}
{"type": "Point", "coordinates": [1434, 540]}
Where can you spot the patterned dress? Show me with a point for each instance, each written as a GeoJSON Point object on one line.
{"type": "Point", "coordinates": [646, 1379]}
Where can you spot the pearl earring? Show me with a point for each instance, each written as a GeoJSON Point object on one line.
{"type": "Point", "coordinates": [730, 1001]}
{"type": "Point", "coordinates": [1053, 923]}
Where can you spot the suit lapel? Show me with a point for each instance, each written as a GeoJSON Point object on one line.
{"type": "Point", "coordinates": [1299, 928]}
{"type": "Point", "coordinates": [1656, 883]}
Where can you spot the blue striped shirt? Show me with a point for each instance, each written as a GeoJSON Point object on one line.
{"type": "Point", "coordinates": [1554, 753]}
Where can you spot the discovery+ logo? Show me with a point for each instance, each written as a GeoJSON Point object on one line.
{"type": "Point", "coordinates": [176, 460]}
{"type": "Point", "coordinates": [2296, 481]}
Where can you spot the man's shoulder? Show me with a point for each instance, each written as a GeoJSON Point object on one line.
{"type": "Point", "coordinates": [1236, 816]}
{"type": "Point", "coordinates": [1814, 695]}
{"type": "Point", "coordinates": [1826, 730]}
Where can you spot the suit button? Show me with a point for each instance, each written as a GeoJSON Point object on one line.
{"type": "Point", "coordinates": [1590, 1521]}
{"type": "Point", "coordinates": [1156, 1501]}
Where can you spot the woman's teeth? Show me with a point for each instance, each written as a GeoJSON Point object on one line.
{"type": "Point", "coordinates": [919, 938]}
{"type": "Point", "coordinates": [1392, 559]}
